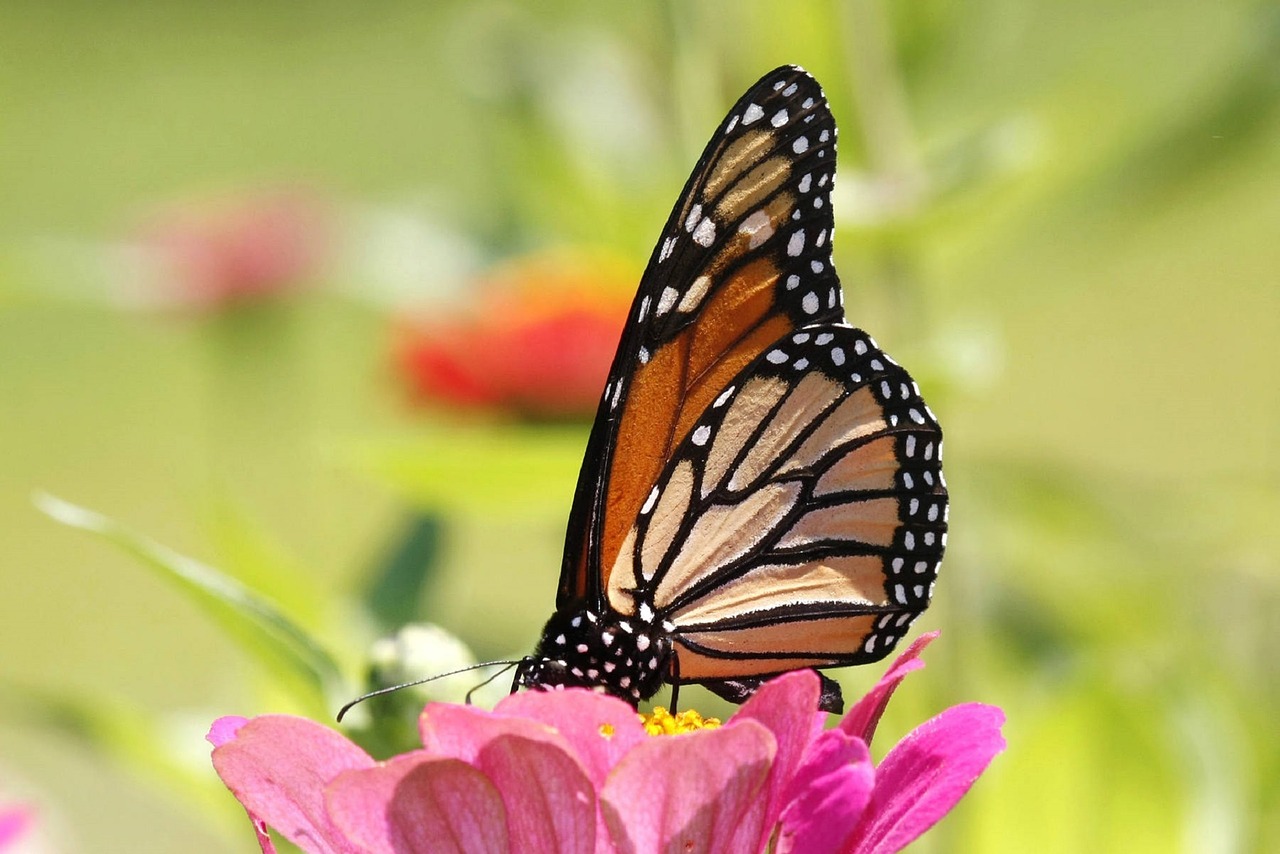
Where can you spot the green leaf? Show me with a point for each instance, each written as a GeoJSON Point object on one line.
{"type": "Point", "coordinates": [394, 590]}
{"type": "Point", "coordinates": [262, 563]}
{"type": "Point", "coordinates": [262, 629]}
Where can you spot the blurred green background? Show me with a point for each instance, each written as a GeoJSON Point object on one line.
{"type": "Point", "coordinates": [1063, 217]}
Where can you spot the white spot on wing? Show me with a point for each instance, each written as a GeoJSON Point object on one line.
{"type": "Point", "coordinates": [649, 502]}
{"type": "Point", "coordinates": [705, 234]}
{"type": "Point", "coordinates": [691, 221]}
{"type": "Point", "coordinates": [752, 113]}
{"type": "Point", "coordinates": [796, 244]}
{"type": "Point", "coordinates": [801, 145]}
{"type": "Point", "coordinates": [667, 300]}
{"type": "Point", "coordinates": [667, 246]}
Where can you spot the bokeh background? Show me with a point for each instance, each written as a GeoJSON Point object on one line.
{"type": "Point", "coordinates": [275, 278]}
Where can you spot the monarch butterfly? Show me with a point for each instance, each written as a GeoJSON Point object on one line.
{"type": "Point", "coordinates": [762, 489]}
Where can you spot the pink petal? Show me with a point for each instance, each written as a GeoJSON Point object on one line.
{"type": "Point", "coordinates": [418, 802]}
{"type": "Point", "coordinates": [787, 707]}
{"type": "Point", "coordinates": [550, 802]}
{"type": "Point", "coordinates": [224, 729]}
{"type": "Point", "coordinates": [580, 716]}
{"type": "Point", "coordinates": [15, 821]}
{"type": "Point", "coordinates": [925, 774]}
{"type": "Point", "coordinates": [831, 790]}
{"type": "Point", "coordinates": [863, 718]}
{"type": "Point", "coordinates": [277, 766]}
{"type": "Point", "coordinates": [697, 792]}
{"type": "Point", "coordinates": [461, 732]}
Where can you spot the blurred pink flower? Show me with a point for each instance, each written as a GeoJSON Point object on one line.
{"type": "Point", "coordinates": [538, 341]}
{"type": "Point", "coordinates": [15, 821]}
{"type": "Point", "coordinates": [237, 249]}
{"type": "Point", "coordinates": [575, 771]}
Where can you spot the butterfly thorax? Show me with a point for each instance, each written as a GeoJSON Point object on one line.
{"type": "Point", "coordinates": [626, 657]}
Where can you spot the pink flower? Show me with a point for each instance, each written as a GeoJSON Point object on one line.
{"type": "Point", "coordinates": [237, 249]}
{"type": "Point", "coordinates": [15, 821]}
{"type": "Point", "coordinates": [574, 771]}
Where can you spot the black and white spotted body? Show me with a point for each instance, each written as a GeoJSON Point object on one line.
{"type": "Point", "coordinates": [626, 658]}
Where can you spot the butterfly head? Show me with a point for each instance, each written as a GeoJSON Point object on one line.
{"type": "Point", "coordinates": [626, 658]}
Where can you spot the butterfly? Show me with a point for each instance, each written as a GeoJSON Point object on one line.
{"type": "Point", "coordinates": [762, 489]}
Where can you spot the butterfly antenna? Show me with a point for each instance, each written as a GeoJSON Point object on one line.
{"type": "Point", "coordinates": [393, 688]}
{"type": "Point", "coordinates": [509, 665]}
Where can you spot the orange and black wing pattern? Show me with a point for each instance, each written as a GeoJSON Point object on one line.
{"type": "Point", "coordinates": [763, 486]}
{"type": "Point", "coordinates": [802, 520]}
{"type": "Point", "coordinates": [743, 262]}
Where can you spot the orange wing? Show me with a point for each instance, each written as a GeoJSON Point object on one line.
{"type": "Point", "coordinates": [744, 260]}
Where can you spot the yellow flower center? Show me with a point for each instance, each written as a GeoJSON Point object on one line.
{"type": "Point", "coordinates": [662, 722]}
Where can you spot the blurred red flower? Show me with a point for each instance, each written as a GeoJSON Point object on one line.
{"type": "Point", "coordinates": [238, 249]}
{"type": "Point", "coordinates": [537, 342]}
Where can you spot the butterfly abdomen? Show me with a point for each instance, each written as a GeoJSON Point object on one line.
{"type": "Point", "coordinates": [628, 658]}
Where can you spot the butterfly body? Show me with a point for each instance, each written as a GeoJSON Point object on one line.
{"type": "Point", "coordinates": [762, 489]}
{"type": "Point", "coordinates": [580, 648]}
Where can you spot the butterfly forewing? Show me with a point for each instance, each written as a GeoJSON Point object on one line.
{"type": "Point", "coordinates": [743, 261]}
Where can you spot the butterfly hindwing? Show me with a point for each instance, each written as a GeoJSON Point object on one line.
{"type": "Point", "coordinates": [801, 521]}
{"type": "Point", "coordinates": [744, 260]}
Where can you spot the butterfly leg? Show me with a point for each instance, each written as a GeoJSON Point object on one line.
{"type": "Point", "coordinates": [675, 683]}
